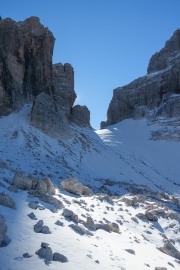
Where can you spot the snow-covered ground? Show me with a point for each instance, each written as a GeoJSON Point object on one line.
{"type": "Point", "coordinates": [123, 153]}
{"type": "Point", "coordinates": [121, 160]}
{"type": "Point", "coordinates": [134, 247]}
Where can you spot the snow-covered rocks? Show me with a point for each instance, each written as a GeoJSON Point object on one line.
{"type": "Point", "coordinates": [74, 186]}
{"type": "Point", "coordinates": [46, 253]}
{"type": "Point", "coordinates": [6, 200]}
{"type": "Point", "coordinates": [26, 182]}
{"type": "Point", "coordinates": [3, 229]}
{"type": "Point", "coordinates": [150, 216]}
{"type": "Point", "coordinates": [45, 197]}
{"type": "Point", "coordinates": [70, 214]}
{"type": "Point", "coordinates": [170, 250]}
{"type": "Point", "coordinates": [39, 227]}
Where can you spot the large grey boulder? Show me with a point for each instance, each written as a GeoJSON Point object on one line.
{"type": "Point", "coordinates": [170, 250]}
{"type": "Point", "coordinates": [70, 214]}
{"type": "Point", "coordinates": [6, 200]}
{"type": "Point", "coordinates": [74, 186]}
{"type": "Point", "coordinates": [45, 197]}
{"type": "Point", "coordinates": [27, 182]}
{"type": "Point", "coordinates": [45, 252]}
{"type": "Point", "coordinates": [3, 229]}
{"type": "Point", "coordinates": [22, 180]}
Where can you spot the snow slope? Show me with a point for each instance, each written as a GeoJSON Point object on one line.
{"type": "Point", "coordinates": [123, 154]}
{"type": "Point", "coordinates": [119, 160]}
{"type": "Point", "coordinates": [135, 247]}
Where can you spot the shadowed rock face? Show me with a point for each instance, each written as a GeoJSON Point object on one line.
{"type": "Point", "coordinates": [25, 62]}
{"type": "Point", "coordinates": [148, 93]}
{"type": "Point", "coordinates": [28, 76]}
{"type": "Point", "coordinates": [80, 115]}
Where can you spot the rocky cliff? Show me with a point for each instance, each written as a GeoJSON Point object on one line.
{"type": "Point", "coordinates": [28, 76]}
{"type": "Point", "coordinates": [156, 94]}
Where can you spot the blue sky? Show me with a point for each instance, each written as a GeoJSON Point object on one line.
{"type": "Point", "coordinates": [108, 42]}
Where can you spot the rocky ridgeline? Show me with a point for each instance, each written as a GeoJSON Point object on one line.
{"type": "Point", "coordinates": [28, 76]}
{"type": "Point", "coordinates": [154, 95]}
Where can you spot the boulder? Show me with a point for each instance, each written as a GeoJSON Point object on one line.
{"type": "Point", "coordinates": [150, 216]}
{"type": "Point", "coordinates": [45, 253]}
{"type": "Point", "coordinates": [25, 181]}
{"type": "Point", "coordinates": [79, 229]}
{"type": "Point", "coordinates": [32, 216]}
{"type": "Point", "coordinates": [6, 200]}
{"type": "Point", "coordinates": [22, 180]}
{"type": "Point", "coordinates": [40, 228]}
{"type": "Point", "coordinates": [58, 257]}
{"type": "Point", "coordinates": [74, 186]}
{"type": "Point", "coordinates": [45, 197]}
{"type": "Point", "coordinates": [170, 250]}
{"type": "Point", "coordinates": [90, 224]}
{"type": "Point", "coordinates": [114, 227]}
{"type": "Point", "coordinates": [70, 214]}
{"type": "Point", "coordinates": [3, 229]}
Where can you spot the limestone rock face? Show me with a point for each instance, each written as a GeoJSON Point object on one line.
{"type": "Point", "coordinates": [80, 115]}
{"type": "Point", "coordinates": [28, 76]}
{"type": "Point", "coordinates": [157, 90]}
{"type": "Point", "coordinates": [3, 229]}
{"type": "Point", "coordinates": [25, 62]}
{"type": "Point", "coordinates": [162, 59]}
{"type": "Point", "coordinates": [45, 116]}
{"type": "Point", "coordinates": [63, 88]}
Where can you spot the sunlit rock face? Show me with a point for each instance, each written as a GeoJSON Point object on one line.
{"type": "Point", "coordinates": [146, 95]}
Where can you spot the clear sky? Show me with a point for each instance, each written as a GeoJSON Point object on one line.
{"type": "Point", "coordinates": [108, 42]}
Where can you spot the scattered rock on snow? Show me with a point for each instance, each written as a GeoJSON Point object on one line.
{"type": "Point", "coordinates": [59, 257]}
{"type": "Point", "coordinates": [40, 228]}
{"type": "Point", "coordinates": [131, 251]}
{"type": "Point", "coordinates": [26, 182]}
{"type": "Point", "coordinates": [35, 205]}
{"type": "Point", "coordinates": [70, 214]}
{"type": "Point", "coordinates": [150, 216]}
{"type": "Point", "coordinates": [59, 223]}
{"type": "Point", "coordinates": [170, 250]}
{"type": "Point", "coordinates": [79, 229]}
{"type": "Point", "coordinates": [114, 227]}
{"type": "Point", "coordinates": [46, 198]}
{"type": "Point", "coordinates": [105, 227]}
{"type": "Point", "coordinates": [90, 223]}
{"type": "Point", "coordinates": [27, 255]}
{"type": "Point", "coordinates": [45, 252]}
{"type": "Point", "coordinates": [74, 186]}
{"type": "Point", "coordinates": [22, 180]}
{"type": "Point", "coordinates": [32, 216]}
{"type": "Point", "coordinates": [6, 200]}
